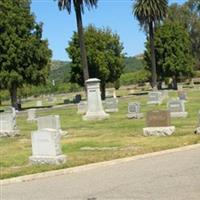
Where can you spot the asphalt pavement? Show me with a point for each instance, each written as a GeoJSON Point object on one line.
{"type": "Point", "coordinates": [170, 176]}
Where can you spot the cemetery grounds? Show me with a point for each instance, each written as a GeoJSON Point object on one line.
{"type": "Point", "coordinates": [89, 142]}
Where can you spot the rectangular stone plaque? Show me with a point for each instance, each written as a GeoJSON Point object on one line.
{"type": "Point", "coordinates": [134, 108]}
{"type": "Point", "coordinates": [176, 106]}
{"type": "Point", "coordinates": [158, 118]}
{"type": "Point", "coordinates": [111, 103]}
{"type": "Point", "coordinates": [7, 122]}
{"type": "Point", "coordinates": [45, 143]}
{"type": "Point", "coordinates": [51, 121]}
{"type": "Point", "coordinates": [155, 96]}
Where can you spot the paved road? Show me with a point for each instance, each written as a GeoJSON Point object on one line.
{"type": "Point", "coordinates": [172, 176]}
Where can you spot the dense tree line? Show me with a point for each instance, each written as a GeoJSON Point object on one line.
{"type": "Point", "coordinates": [24, 56]}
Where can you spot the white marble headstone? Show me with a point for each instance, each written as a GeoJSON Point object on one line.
{"type": "Point", "coordinates": [46, 147]}
{"type": "Point", "coordinates": [155, 97]}
{"type": "Point", "coordinates": [49, 122]}
{"type": "Point", "coordinates": [177, 108]}
{"type": "Point", "coordinates": [111, 105]}
{"type": "Point", "coordinates": [8, 124]}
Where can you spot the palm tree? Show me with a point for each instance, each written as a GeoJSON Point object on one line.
{"type": "Point", "coordinates": [149, 13]}
{"type": "Point", "coordinates": [79, 9]}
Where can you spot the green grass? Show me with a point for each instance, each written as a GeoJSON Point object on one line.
{"type": "Point", "coordinates": [125, 135]}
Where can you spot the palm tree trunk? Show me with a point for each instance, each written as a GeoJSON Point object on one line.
{"type": "Point", "coordinates": [81, 42]}
{"type": "Point", "coordinates": [153, 58]}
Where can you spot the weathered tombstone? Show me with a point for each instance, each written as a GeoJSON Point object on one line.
{"type": "Point", "coordinates": [134, 111]}
{"type": "Point", "coordinates": [197, 131]}
{"type": "Point", "coordinates": [31, 115]}
{"type": "Point", "coordinates": [82, 107]}
{"type": "Point", "coordinates": [111, 105]}
{"type": "Point", "coordinates": [182, 95]}
{"type": "Point", "coordinates": [46, 147]}
{"type": "Point", "coordinates": [177, 108]}
{"type": "Point", "coordinates": [49, 122]}
{"type": "Point", "coordinates": [158, 123]}
{"type": "Point", "coordinates": [46, 141]}
{"type": "Point", "coordinates": [8, 123]}
{"type": "Point", "coordinates": [39, 103]}
{"type": "Point", "coordinates": [155, 97]}
{"type": "Point", "coordinates": [95, 109]}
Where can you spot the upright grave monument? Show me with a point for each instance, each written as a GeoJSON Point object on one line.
{"type": "Point", "coordinates": [134, 110]}
{"type": "Point", "coordinates": [177, 108]}
{"type": "Point", "coordinates": [155, 97]}
{"type": "Point", "coordinates": [95, 109]}
{"type": "Point", "coordinates": [158, 124]}
{"type": "Point", "coordinates": [111, 105]}
{"type": "Point", "coordinates": [46, 142]}
{"type": "Point", "coordinates": [8, 123]}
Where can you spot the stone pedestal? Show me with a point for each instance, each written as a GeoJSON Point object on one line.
{"type": "Point", "coordinates": [95, 109]}
{"type": "Point", "coordinates": [46, 147]}
{"type": "Point", "coordinates": [158, 131]}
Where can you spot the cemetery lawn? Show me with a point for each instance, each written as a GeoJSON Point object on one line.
{"type": "Point", "coordinates": [88, 142]}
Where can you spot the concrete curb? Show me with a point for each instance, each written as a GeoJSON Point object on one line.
{"type": "Point", "coordinates": [93, 165]}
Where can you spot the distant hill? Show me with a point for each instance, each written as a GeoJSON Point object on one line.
{"type": "Point", "coordinates": [133, 64]}
{"type": "Point", "coordinates": [60, 70]}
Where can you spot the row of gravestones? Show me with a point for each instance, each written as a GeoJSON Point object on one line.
{"type": "Point", "coordinates": [46, 140]}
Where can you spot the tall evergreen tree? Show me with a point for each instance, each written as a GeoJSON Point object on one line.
{"type": "Point", "coordinates": [79, 9]}
{"type": "Point", "coordinates": [173, 53]}
{"type": "Point", "coordinates": [187, 16]}
{"type": "Point", "coordinates": [149, 13]}
{"type": "Point", "coordinates": [24, 56]}
{"type": "Point", "coordinates": [105, 57]}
